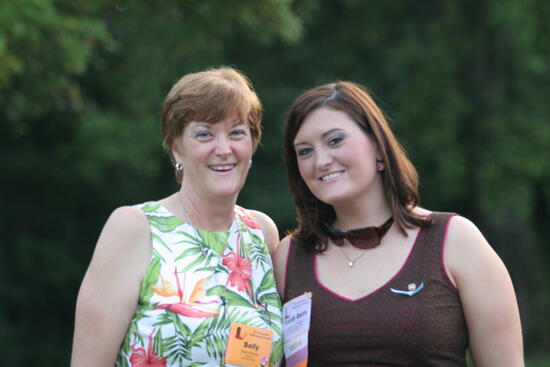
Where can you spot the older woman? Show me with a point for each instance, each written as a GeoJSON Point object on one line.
{"type": "Point", "coordinates": [392, 284]}
{"type": "Point", "coordinates": [170, 278]}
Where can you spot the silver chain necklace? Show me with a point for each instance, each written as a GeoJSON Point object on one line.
{"type": "Point", "coordinates": [351, 262]}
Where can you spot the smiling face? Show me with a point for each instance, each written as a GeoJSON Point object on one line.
{"type": "Point", "coordinates": [215, 157]}
{"type": "Point", "coordinates": [336, 158]}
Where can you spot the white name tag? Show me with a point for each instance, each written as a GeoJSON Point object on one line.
{"type": "Point", "coordinates": [296, 315]}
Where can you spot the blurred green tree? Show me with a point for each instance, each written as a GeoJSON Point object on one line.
{"type": "Point", "coordinates": [464, 83]}
{"type": "Point", "coordinates": [80, 88]}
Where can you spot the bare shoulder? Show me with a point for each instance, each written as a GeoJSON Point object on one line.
{"type": "Point", "coordinates": [126, 235]}
{"type": "Point", "coordinates": [463, 235]}
{"type": "Point", "coordinates": [422, 211]}
{"type": "Point", "coordinates": [269, 228]}
{"type": "Point", "coordinates": [279, 263]}
{"type": "Point", "coordinates": [467, 250]}
{"type": "Point", "coordinates": [127, 220]}
{"type": "Point", "coordinates": [486, 293]}
{"type": "Point", "coordinates": [282, 249]}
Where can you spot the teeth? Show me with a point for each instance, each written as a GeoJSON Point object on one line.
{"type": "Point", "coordinates": [226, 167]}
{"type": "Point", "coordinates": [331, 176]}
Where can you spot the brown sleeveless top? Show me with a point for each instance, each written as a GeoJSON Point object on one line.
{"type": "Point", "coordinates": [386, 328]}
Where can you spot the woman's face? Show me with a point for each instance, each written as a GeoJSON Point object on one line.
{"type": "Point", "coordinates": [215, 157]}
{"type": "Point", "coordinates": [336, 159]}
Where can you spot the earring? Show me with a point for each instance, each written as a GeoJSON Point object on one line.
{"type": "Point", "coordinates": [250, 163]}
{"type": "Point", "coordinates": [380, 165]}
{"type": "Point", "coordinates": [178, 167]}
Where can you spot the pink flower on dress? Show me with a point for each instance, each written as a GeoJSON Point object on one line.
{"type": "Point", "coordinates": [241, 270]}
{"type": "Point", "coordinates": [248, 219]}
{"type": "Point", "coordinates": [142, 358]}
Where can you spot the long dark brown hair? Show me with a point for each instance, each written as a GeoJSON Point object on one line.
{"type": "Point", "coordinates": [400, 179]}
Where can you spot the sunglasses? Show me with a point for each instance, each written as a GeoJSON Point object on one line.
{"type": "Point", "coordinates": [362, 238]}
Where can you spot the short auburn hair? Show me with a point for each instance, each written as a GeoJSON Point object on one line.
{"type": "Point", "coordinates": [209, 96]}
{"type": "Point", "coordinates": [400, 179]}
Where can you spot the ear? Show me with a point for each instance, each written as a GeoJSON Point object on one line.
{"type": "Point", "coordinates": [175, 151]}
{"type": "Point", "coordinates": [377, 150]}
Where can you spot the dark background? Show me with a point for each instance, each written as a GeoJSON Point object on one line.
{"type": "Point", "coordinates": [466, 85]}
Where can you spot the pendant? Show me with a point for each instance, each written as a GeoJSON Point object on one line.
{"type": "Point", "coordinates": [350, 264]}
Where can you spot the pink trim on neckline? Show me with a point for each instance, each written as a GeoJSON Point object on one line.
{"type": "Point", "coordinates": [443, 268]}
{"type": "Point", "coordinates": [377, 289]}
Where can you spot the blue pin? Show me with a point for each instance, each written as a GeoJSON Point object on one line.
{"type": "Point", "coordinates": [412, 289]}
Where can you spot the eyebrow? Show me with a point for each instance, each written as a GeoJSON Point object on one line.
{"type": "Point", "coordinates": [209, 124]}
{"type": "Point", "coordinates": [322, 135]}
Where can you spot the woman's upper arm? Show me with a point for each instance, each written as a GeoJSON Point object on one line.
{"type": "Point", "coordinates": [110, 289]}
{"type": "Point", "coordinates": [269, 229]}
{"type": "Point", "coordinates": [487, 296]}
{"type": "Point", "coordinates": [279, 264]}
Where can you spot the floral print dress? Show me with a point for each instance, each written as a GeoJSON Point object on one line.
{"type": "Point", "coordinates": [181, 318]}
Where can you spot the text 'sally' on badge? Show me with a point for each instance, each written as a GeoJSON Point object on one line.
{"type": "Point", "coordinates": [248, 346]}
{"type": "Point", "coordinates": [296, 316]}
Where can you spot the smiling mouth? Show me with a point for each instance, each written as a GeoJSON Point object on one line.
{"type": "Point", "coordinates": [222, 167]}
{"type": "Point", "coordinates": [331, 176]}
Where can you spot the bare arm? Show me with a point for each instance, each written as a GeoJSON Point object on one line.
{"type": "Point", "coordinates": [279, 264]}
{"type": "Point", "coordinates": [487, 297]}
{"type": "Point", "coordinates": [109, 292]}
{"type": "Point", "coordinates": [271, 234]}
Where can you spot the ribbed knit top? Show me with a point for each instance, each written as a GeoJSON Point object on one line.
{"type": "Point", "coordinates": [386, 328]}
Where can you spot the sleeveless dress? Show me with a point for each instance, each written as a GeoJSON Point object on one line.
{"type": "Point", "coordinates": [197, 284]}
{"type": "Point", "coordinates": [415, 319]}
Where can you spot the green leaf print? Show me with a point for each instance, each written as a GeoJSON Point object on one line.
{"type": "Point", "coordinates": [177, 347]}
{"type": "Point", "coordinates": [256, 251]}
{"type": "Point", "coordinates": [234, 299]}
{"type": "Point", "coordinates": [197, 364]}
{"type": "Point", "coordinates": [150, 278]}
{"type": "Point", "coordinates": [268, 282]}
{"type": "Point", "coordinates": [164, 224]}
{"type": "Point", "coordinates": [157, 343]}
{"type": "Point", "coordinates": [271, 299]}
{"type": "Point", "coordinates": [198, 260]}
{"type": "Point", "coordinates": [150, 207]}
{"type": "Point", "coordinates": [193, 240]}
{"type": "Point", "coordinates": [159, 240]}
{"type": "Point", "coordinates": [189, 252]}
{"type": "Point", "coordinates": [214, 240]}
{"type": "Point", "coordinates": [276, 352]}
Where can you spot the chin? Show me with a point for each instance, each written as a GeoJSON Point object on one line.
{"type": "Point", "coordinates": [226, 191]}
{"type": "Point", "coordinates": [333, 199]}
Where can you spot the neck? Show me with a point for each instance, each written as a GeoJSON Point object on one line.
{"type": "Point", "coordinates": [372, 210]}
{"type": "Point", "coordinates": [207, 213]}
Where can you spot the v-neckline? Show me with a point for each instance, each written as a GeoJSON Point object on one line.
{"type": "Point", "coordinates": [384, 285]}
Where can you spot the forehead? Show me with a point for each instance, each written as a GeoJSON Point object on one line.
{"type": "Point", "coordinates": [226, 122]}
{"type": "Point", "coordinates": [322, 120]}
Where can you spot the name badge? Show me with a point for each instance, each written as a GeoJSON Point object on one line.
{"type": "Point", "coordinates": [296, 316]}
{"type": "Point", "coordinates": [248, 346]}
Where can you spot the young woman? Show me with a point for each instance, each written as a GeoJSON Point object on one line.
{"type": "Point", "coordinates": [170, 278]}
{"type": "Point", "coordinates": [392, 283]}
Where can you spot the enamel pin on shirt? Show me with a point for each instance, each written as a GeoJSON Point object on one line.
{"type": "Point", "coordinates": [412, 289]}
{"type": "Point", "coordinates": [296, 320]}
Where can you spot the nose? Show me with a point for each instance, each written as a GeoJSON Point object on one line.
{"type": "Point", "coordinates": [223, 146]}
{"type": "Point", "coordinates": [323, 158]}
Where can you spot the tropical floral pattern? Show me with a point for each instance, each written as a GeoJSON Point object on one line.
{"type": "Point", "coordinates": [197, 284]}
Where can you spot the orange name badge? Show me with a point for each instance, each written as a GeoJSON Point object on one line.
{"type": "Point", "coordinates": [248, 346]}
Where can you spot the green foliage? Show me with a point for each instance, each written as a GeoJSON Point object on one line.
{"type": "Point", "coordinates": [465, 85]}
